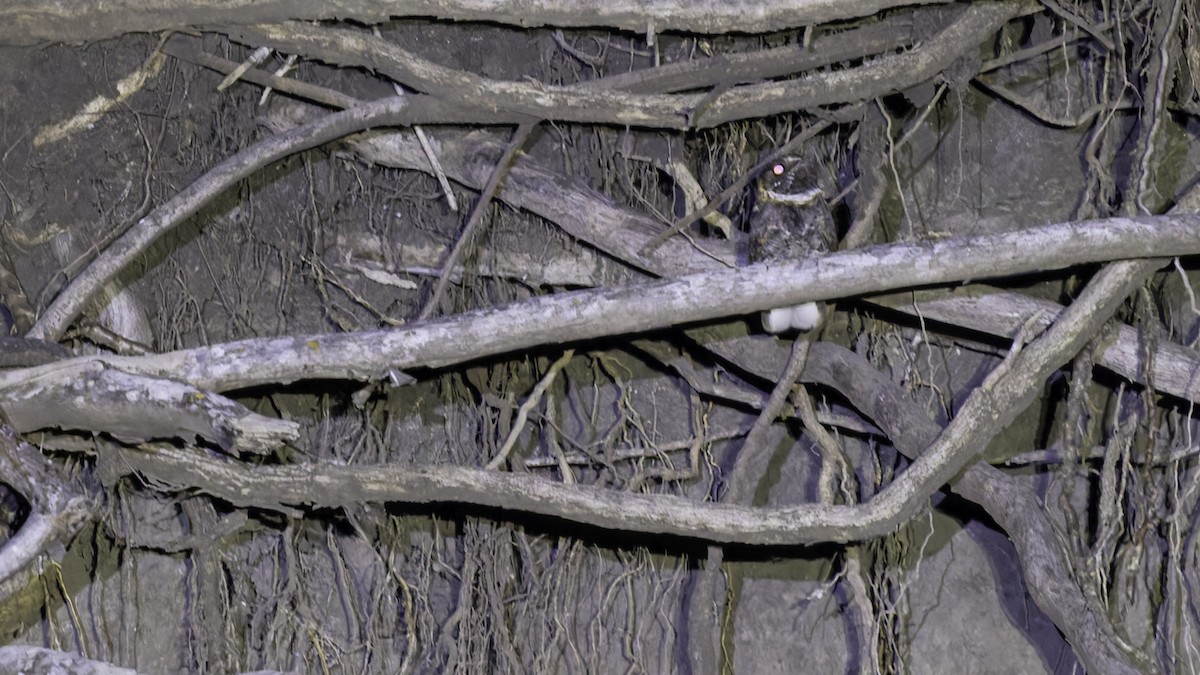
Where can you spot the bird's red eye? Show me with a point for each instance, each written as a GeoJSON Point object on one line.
{"type": "Point", "coordinates": [777, 169]}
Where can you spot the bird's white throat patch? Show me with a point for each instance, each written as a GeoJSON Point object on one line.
{"type": "Point", "coordinates": [802, 198]}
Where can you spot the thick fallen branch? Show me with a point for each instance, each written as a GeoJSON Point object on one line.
{"type": "Point", "coordinates": [25, 22]}
{"type": "Point", "coordinates": [582, 315]}
{"type": "Point", "coordinates": [992, 405]}
{"type": "Point", "coordinates": [60, 505]}
{"type": "Point", "coordinates": [574, 103]}
{"type": "Point", "coordinates": [135, 408]}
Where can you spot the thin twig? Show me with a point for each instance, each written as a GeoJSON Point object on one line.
{"type": "Point", "coordinates": [253, 61]}
{"type": "Point", "coordinates": [473, 222]}
{"type": "Point", "coordinates": [426, 147]}
{"type": "Point", "coordinates": [535, 397]}
{"type": "Point", "coordinates": [434, 163]}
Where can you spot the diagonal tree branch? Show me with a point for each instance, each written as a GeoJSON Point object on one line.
{"type": "Point", "coordinates": [1009, 501]}
{"type": "Point", "coordinates": [992, 405]}
{"type": "Point", "coordinates": [1175, 369]}
{"type": "Point", "coordinates": [84, 288]}
{"type": "Point", "coordinates": [601, 104]}
{"type": "Point", "coordinates": [589, 314]}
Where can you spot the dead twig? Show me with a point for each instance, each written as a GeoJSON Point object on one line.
{"type": "Point", "coordinates": [519, 137]}
{"type": "Point", "coordinates": [85, 287]}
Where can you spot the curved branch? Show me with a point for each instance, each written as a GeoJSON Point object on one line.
{"type": "Point", "coordinates": [136, 408]}
{"type": "Point", "coordinates": [83, 288]}
{"type": "Point", "coordinates": [59, 508]}
{"type": "Point", "coordinates": [992, 405]}
{"type": "Point", "coordinates": [601, 104]}
{"type": "Point", "coordinates": [1175, 369]}
{"type": "Point", "coordinates": [1011, 503]}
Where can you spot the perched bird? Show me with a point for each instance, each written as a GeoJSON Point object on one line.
{"type": "Point", "coordinates": [790, 220]}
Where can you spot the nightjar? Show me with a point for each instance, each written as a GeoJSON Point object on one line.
{"type": "Point", "coordinates": [790, 220]}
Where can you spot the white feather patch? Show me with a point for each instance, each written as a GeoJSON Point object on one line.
{"type": "Point", "coordinates": [785, 319]}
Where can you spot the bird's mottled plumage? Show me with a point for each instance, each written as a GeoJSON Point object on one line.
{"type": "Point", "coordinates": [790, 220]}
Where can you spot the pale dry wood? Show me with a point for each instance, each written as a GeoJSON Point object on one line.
{"type": "Point", "coordinates": [580, 315]}
{"type": "Point", "coordinates": [1175, 369]}
{"type": "Point", "coordinates": [597, 104]}
{"type": "Point", "coordinates": [1007, 392]}
{"type": "Point", "coordinates": [60, 505]}
{"type": "Point", "coordinates": [25, 22]}
{"type": "Point", "coordinates": [91, 396]}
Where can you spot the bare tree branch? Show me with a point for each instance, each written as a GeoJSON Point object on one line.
{"type": "Point", "coordinates": [992, 405]}
{"type": "Point", "coordinates": [1011, 502]}
{"type": "Point", "coordinates": [596, 104]}
{"type": "Point", "coordinates": [1175, 369]}
{"type": "Point", "coordinates": [60, 506]}
{"type": "Point", "coordinates": [136, 408]}
{"type": "Point", "coordinates": [581, 315]}
{"type": "Point", "coordinates": [27, 22]}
